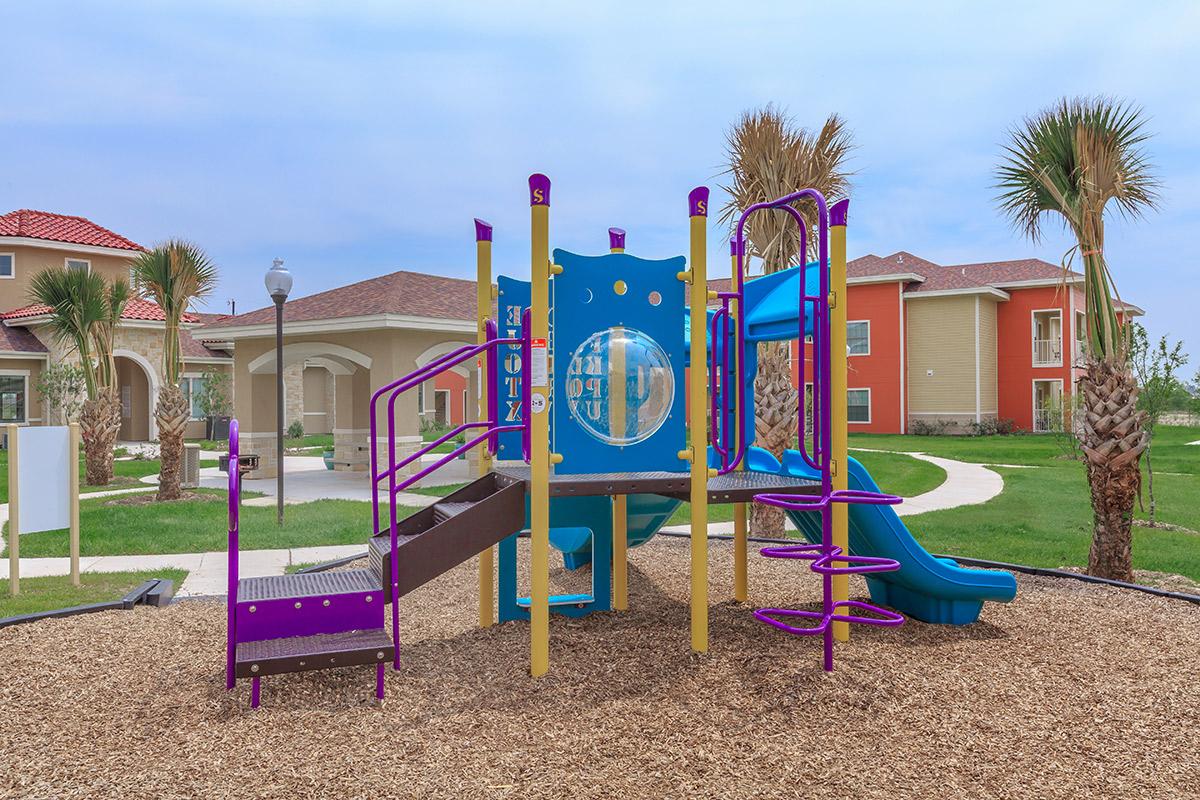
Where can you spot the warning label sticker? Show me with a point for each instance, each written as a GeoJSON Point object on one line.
{"type": "Point", "coordinates": [539, 374]}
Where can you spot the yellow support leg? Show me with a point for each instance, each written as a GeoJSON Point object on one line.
{"type": "Point", "coordinates": [698, 417]}
{"type": "Point", "coordinates": [539, 431]}
{"type": "Point", "coordinates": [483, 305]}
{"type": "Point", "coordinates": [838, 386]}
{"type": "Point", "coordinates": [620, 564]}
{"type": "Point", "coordinates": [740, 592]}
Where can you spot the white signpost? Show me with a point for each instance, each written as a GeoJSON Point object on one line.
{"type": "Point", "coordinates": [43, 490]}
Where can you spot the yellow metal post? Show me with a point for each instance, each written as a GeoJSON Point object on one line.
{"type": "Point", "coordinates": [620, 506]}
{"type": "Point", "coordinates": [838, 443]}
{"type": "Point", "coordinates": [73, 488]}
{"type": "Point", "coordinates": [483, 305]}
{"type": "Point", "coordinates": [698, 416]}
{"type": "Point", "coordinates": [14, 515]}
{"type": "Point", "coordinates": [539, 432]}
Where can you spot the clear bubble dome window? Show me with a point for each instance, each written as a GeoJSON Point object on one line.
{"type": "Point", "coordinates": [620, 386]}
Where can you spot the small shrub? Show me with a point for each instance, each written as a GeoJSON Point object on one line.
{"type": "Point", "coordinates": [296, 430]}
{"type": "Point", "coordinates": [931, 427]}
{"type": "Point", "coordinates": [993, 427]}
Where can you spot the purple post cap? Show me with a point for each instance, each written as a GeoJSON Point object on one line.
{"type": "Point", "coordinates": [483, 231]}
{"type": "Point", "coordinates": [616, 239]}
{"type": "Point", "coordinates": [539, 190]}
{"type": "Point", "coordinates": [838, 212]}
{"type": "Point", "coordinates": [698, 202]}
{"type": "Point", "coordinates": [733, 247]}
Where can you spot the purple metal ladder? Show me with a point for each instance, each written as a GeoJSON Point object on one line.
{"type": "Point", "coordinates": [827, 559]}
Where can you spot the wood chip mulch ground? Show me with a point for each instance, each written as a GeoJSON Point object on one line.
{"type": "Point", "coordinates": [150, 498]}
{"type": "Point", "coordinates": [1072, 691]}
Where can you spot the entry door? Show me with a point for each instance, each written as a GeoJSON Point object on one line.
{"type": "Point", "coordinates": [441, 406]}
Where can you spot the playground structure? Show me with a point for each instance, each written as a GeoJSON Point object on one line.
{"type": "Point", "coordinates": [605, 419]}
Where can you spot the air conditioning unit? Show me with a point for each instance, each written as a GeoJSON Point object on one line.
{"type": "Point", "coordinates": [191, 467]}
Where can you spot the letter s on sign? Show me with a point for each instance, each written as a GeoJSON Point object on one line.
{"type": "Point", "coordinates": [538, 197]}
{"type": "Point", "coordinates": [702, 207]}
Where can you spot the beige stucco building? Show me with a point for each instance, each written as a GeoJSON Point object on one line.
{"type": "Point", "coordinates": [339, 347]}
{"type": "Point", "coordinates": [31, 241]}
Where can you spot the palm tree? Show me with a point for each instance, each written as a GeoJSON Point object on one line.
{"type": "Point", "coordinates": [173, 274]}
{"type": "Point", "coordinates": [1073, 159]}
{"type": "Point", "coordinates": [83, 313]}
{"type": "Point", "coordinates": [769, 156]}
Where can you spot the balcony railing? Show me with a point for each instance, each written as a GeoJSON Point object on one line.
{"type": "Point", "coordinates": [1047, 419]}
{"type": "Point", "coordinates": [1078, 352]}
{"type": "Point", "coordinates": [1047, 352]}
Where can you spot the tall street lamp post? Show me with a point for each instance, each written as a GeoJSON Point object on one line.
{"type": "Point", "coordinates": [279, 283]}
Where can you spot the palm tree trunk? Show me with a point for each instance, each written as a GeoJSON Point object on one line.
{"type": "Point", "coordinates": [1113, 441]}
{"type": "Point", "coordinates": [99, 423]}
{"type": "Point", "coordinates": [172, 414]}
{"type": "Point", "coordinates": [775, 410]}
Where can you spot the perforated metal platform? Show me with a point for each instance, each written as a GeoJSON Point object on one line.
{"type": "Point", "coordinates": [306, 584]}
{"type": "Point", "coordinates": [299, 653]}
{"type": "Point", "coordinates": [736, 487]}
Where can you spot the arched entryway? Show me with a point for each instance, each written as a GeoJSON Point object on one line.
{"type": "Point", "coordinates": [137, 387]}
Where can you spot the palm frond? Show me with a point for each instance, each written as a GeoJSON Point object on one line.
{"type": "Point", "coordinates": [77, 302]}
{"type": "Point", "coordinates": [1072, 160]}
{"type": "Point", "coordinates": [770, 156]}
{"type": "Point", "coordinates": [174, 274]}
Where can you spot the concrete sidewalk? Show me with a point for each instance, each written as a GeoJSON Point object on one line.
{"type": "Point", "coordinates": [206, 571]}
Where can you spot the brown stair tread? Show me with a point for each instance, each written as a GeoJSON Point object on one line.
{"type": "Point", "coordinates": [306, 584]}
{"type": "Point", "coordinates": [322, 651]}
{"type": "Point", "coordinates": [444, 511]}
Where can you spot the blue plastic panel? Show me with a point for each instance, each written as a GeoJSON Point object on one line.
{"type": "Point", "coordinates": [512, 301]}
{"type": "Point", "coordinates": [587, 302]}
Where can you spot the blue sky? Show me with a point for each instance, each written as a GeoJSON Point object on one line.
{"type": "Point", "coordinates": [355, 140]}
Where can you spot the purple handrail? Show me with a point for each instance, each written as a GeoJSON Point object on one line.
{"type": "Point", "coordinates": [489, 436]}
{"type": "Point", "coordinates": [233, 500]}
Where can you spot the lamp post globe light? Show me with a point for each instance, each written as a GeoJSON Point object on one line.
{"type": "Point", "coordinates": [278, 282]}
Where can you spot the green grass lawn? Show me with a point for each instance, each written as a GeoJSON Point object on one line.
{"type": "Point", "coordinates": [195, 526]}
{"type": "Point", "coordinates": [1043, 518]}
{"type": "Point", "coordinates": [437, 491]}
{"type": "Point", "coordinates": [900, 474]}
{"type": "Point", "coordinates": [45, 594]}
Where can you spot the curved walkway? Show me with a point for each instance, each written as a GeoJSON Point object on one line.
{"type": "Point", "coordinates": [966, 484]}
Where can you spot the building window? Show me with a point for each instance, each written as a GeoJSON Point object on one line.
{"type": "Point", "coordinates": [79, 263]}
{"type": "Point", "coordinates": [858, 405]}
{"type": "Point", "coordinates": [12, 397]}
{"type": "Point", "coordinates": [858, 338]}
{"type": "Point", "coordinates": [193, 387]}
{"type": "Point", "coordinates": [421, 399]}
{"type": "Point", "coordinates": [7, 265]}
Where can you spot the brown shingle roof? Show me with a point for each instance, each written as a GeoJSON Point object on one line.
{"type": "Point", "coordinates": [409, 293]}
{"type": "Point", "coordinates": [20, 340]}
{"type": "Point", "coordinates": [997, 274]}
{"type": "Point", "coordinates": [190, 347]}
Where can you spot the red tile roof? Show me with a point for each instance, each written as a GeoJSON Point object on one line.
{"type": "Point", "coordinates": [143, 310]}
{"type": "Point", "coordinates": [19, 340]}
{"type": "Point", "coordinates": [410, 293]}
{"type": "Point", "coordinates": [30, 224]}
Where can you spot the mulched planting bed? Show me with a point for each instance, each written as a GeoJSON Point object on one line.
{"type": "Point", "coordinates": [150, 498]}
{"type": "Point", "coordinates": [1074, 690]}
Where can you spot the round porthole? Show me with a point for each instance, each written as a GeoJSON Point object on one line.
{"type": "Point", "coordinates": [587, 296]}
{"type": "Point", "coordinates": [655, 298]}
{"type": "Point", "coordinates": [620, 386]}
{"type": "Point", "coordinates": [620, 287]}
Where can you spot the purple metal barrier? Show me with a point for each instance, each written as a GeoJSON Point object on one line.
{"type": "Point", "coordinates": [233, 500]}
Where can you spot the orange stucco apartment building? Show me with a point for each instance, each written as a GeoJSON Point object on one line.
{"type": "Point", "coordinates": [952, 345]}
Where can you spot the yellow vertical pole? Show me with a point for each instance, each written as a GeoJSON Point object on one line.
{"type": "Point", "coordinates": [483, 306]}
{"type": "Point", "coordinates": [73, 488]}
{"type": "Point", "coordinates": [740, 583]}
{"type": "Point", "coordinates": [14, 515]}
{"type": "Point", "coordinates": [539, 430]}
{"type": "Point", "coordinates": [620, 535]}
{"type": "Point", "coordinates": [698, 416]}
{"type": "Point", "coordinates": [838, 385]}
{"type": "Point", "coordinates": [620, 506]}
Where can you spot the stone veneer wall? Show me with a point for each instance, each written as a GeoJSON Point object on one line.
{"type": "Point", "coordinates": [293, 394]}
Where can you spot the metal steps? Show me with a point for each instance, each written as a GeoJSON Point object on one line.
{"type": "Point", "coordinates": [323, 651]}
{"type": "Point", "coordinates": [442, 536]}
